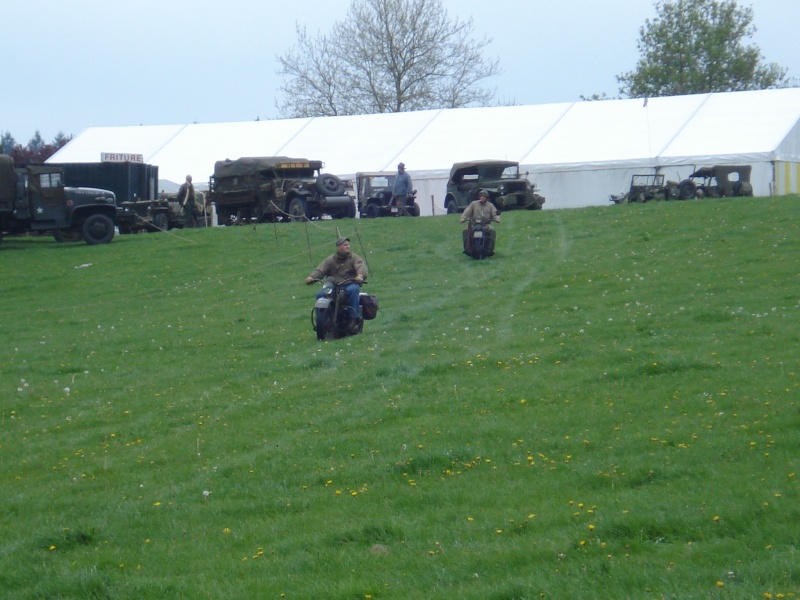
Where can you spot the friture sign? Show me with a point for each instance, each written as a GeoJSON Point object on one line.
{"type": "Point", "coordinates": [117, 157]}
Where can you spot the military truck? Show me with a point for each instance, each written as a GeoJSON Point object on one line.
{"type": "Point", "coordinates": [140, 207]}
{"type": "Point", "coordinates": [508, 190]}
{"type": "Point", "coordinates": [375, 197]}
{"type": "Point", "coordinates": [35, 199]}
{"type": "Point", "coordinates": [277, 188]}
{"type": "Point", "coordinates": [719, 181]}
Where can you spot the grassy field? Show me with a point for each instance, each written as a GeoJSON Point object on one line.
{"type": "Point", "coordinates": [607, 408]}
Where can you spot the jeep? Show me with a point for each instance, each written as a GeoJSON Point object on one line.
{"type": "Point", "coordinates": [277, 188]}
{"type": "Point", "coordinates": [648, 187]}
{"type": "Point", "coordinates": [374, 192]}
{"type": "Point", "coordinates": [501, 178]}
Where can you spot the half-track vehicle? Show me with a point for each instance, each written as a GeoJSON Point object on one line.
{"type": "Point", "coordinates": [375, 198]}
{"type": "Point", "coordinates": [35, 199]}
{"type": "Point", "coordinates": [277, 188]}
{"type": "Point", "coordinates": [508, 190]}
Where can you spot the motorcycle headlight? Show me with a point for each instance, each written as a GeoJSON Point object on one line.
{"type": "Point", "coordinates": [327, 288]}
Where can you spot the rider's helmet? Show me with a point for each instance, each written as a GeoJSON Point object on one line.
{"type": "Point", "coordinates": [483, 193]}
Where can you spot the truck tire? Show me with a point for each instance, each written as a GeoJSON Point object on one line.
{"type": "Point", "coordinates": [451, 206]}
{"type": "Point", "coordinates": [298, 209]}
{"type": "Point", "coordinates": [413, 210]}
{"type": "Point", "coordinates": [330, 185]}
{"type": "Point", "coordinates": [98, 229]}
{"type": "Point", "coordinates": [161, 221]}
{"type": "Point", "coordinates": [66, 235]}
{"type": "Point", "coordinates": [373, 211]}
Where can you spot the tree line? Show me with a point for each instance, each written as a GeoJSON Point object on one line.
{"type": "Point", "coordinates": [35, 152]}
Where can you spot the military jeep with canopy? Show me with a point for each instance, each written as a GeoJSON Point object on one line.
{"type": "Point", "coordinates": [375, 197]}
{"type": "Point", "coordinates": [508, 190]}
{"type": "Point", "coordinates": [719, 181]}
{"type": "Point", "coordinates": [277, 188]}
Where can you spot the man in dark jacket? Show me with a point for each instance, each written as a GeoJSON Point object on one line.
{"type": "Point", "coordinates": [402, 188]}
{"type": "Point", "coordinates": [186, 199]}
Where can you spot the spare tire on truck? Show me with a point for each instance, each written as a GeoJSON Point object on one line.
{"type": "Point", "coordinates": [330, 185]}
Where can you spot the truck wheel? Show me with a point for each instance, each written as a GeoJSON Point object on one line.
{"type": "Point", "coordinates": [451, 206]}
{"type": "Point", "coordinates": [66, 235]}
{"type": "Point", "coordinates": [298, 209]}
{"type": "Point", "coordinates": [330, 185]}
{"type": "Point", "coordinates": [351, 210]}
{"type": "Point", "coordinates": [413, 210]}
{"type": "Point", "coordinates": [161, 221]}
{"type": "Point", "coordinates": [98, 229]}
{"type": "Point", "coordinates": [372, 211]}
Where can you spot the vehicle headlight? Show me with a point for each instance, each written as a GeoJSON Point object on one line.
{"type": "Point", "coordinates": [502, 189]}
{"type": "Point", "coordinates": [327, 288]}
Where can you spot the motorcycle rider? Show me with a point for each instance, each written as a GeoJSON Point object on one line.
{"type": "Point", "coordinates": [343, 266]}
{"type": "Point", "coordinates": [484, 211]}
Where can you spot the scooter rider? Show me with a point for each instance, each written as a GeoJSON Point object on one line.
{"type": "Point", "coordinates": [484, 211]}
{"type": "Point", "coordinates": [343, 266]}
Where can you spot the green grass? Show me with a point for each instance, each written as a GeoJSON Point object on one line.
{"type": "Point", "coordinates": [608, 408]}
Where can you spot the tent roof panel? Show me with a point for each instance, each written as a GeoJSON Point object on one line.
{"type": "Point", "coordinates": [462, 134]}
{"type": "Point", "coordinates": [740, 123]}
{"type": "Point", "coordinates": [348, 144]}
{"type": "Point", "coordinates": [197, 147]}
{"type": "Point", "coordinates": [614, 130]}
{"type": "Point", "coordinates": [87, 146]}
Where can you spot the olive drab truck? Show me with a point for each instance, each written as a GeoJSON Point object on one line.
{"type": "Point", "coordinates": [277, 188]}
{"type": "Point", "coordinates": [35, 199]}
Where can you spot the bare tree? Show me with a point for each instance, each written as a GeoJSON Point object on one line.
{"type": "Point", "coordinates": [387, 56]}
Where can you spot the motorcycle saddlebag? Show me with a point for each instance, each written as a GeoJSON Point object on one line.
{"type": "Point", "coordinates": [369, 306]}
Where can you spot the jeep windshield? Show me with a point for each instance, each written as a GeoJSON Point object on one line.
{"type": "Point", "coordinates": [499, 172]}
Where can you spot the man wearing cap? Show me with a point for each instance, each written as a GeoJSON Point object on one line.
{"type": "Point", "coordinates": [484, 211]}
{"type": "Point", "coordinates": [345, 267]}
{"type": "Point", "coordinates": [402, 188]}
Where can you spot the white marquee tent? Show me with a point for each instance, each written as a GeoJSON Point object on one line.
{"type": "Point", "coordinates": [577, 153]}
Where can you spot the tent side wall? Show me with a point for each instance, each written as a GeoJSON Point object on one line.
{"type": "Point", "coordinates": [787, 177]}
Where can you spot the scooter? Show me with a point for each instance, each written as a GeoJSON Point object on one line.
{"type": "Point", "coordinates": [478, 242]}
{"type": "Point", "coordinates": [332, 318]}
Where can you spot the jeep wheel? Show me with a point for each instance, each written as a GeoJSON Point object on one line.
{"type": "Point", "coordinates": [413, 209]}
{"type": "Point", "coordinates": [330, 185]}
{"type": "Point", "coordinates": [451, 205]}
{"type": "Point", "coordinates": [160, 221]}
{"type": "Point", "coordinates": [66, 235]}
{"type": "Point", "coordinates": [98, 229]}
{"type": "Point", "coordinates": [373, 212]}
{"type": "Point", "coordinates": [298, 209]}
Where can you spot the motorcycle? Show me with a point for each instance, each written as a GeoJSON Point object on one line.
{"type": "Point", "coordinates": [332, 318]}
{"type": "Point", "coordinates": [478, 242]}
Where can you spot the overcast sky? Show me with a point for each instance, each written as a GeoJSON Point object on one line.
{"type": "Point", "coordinates": [73, 64]}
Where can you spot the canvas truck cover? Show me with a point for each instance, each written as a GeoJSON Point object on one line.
{"type": "Point", "coordinates": [249, 166]}
{"type": "Point", "coordinates": [473, 166]}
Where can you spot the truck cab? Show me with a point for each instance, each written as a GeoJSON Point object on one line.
{"type": "Point", "coordinates": [34, 199]}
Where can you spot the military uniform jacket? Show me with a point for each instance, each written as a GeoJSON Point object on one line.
{"type": "Point", "coordinates": [485, 212]}
{"type": "Point", "coordinates": [341, 267]}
